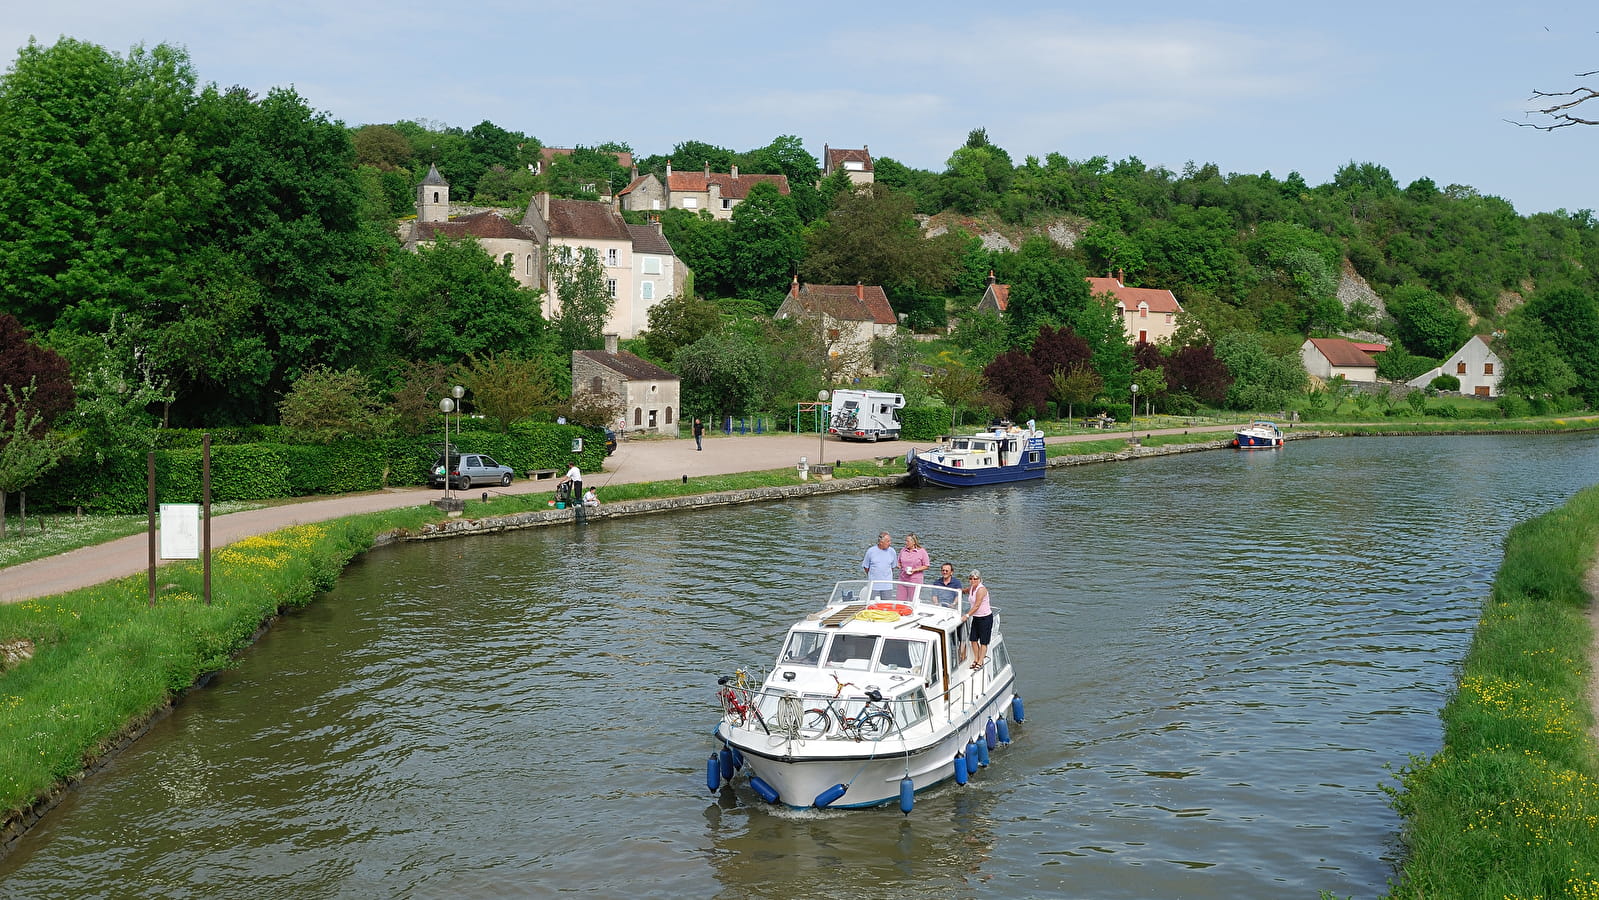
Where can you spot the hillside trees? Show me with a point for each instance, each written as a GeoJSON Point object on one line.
{"type": "Point", "coordinates": [1571, 316]}
{"type": "Point", "coordinates": [871, 237]}
{"type": "Point", "coordinates": [452, 301]}
{"type": "Point", "coordinates": [767, 244]}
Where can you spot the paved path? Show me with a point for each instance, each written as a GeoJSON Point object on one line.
{"type": "Point", "coordinates": [633, 461]}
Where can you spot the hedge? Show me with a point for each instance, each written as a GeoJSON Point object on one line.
{"type": "Point", "coordinates": [114, 481]}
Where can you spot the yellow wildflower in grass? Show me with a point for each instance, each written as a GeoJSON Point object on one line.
{"type": "Point", "coordinates": [269, 551]}
{"type": "Point", "coordinates": [1519, 700]}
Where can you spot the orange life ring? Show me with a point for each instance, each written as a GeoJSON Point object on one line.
{"type": "Point", "coordinates": [900, 608]}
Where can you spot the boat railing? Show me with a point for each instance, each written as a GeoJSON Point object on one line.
{"type": "Point", "coordinates": [926, 597]}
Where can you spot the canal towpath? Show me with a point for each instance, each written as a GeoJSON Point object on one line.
{"type": "Point", "coordinates": [634, 461]}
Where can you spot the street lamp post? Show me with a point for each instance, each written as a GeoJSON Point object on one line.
{"type": "Point", "coordinates": [446, 406]}
{"type": "Point", "coordinates": [821, 430]}
{"type": "Point", "coordinates": [1132, 422]}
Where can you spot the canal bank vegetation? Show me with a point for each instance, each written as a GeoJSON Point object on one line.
{"type": "Point", "coordinates": [83, 672]}
{"type": "Point", "coordinates": [1509, 808]}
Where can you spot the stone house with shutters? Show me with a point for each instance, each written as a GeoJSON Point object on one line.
{"type": "Point", "coordinates": [651, 396]}
{"type": "Point", "coordinates": [858, 163]}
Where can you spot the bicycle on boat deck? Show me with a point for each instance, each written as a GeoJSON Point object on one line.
{"type": "Point", "coordinates": [872, 722]}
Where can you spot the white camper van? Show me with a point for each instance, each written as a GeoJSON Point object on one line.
{"type": "Point", "coordinates": [866, 415]}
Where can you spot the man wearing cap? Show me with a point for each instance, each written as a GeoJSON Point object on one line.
{"type": "Point", "coordinates": [981, 617]}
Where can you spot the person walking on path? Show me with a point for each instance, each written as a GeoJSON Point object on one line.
{"type": "Point", "coordinates": [699, 434]}
{"type": "Point", "coordinates": [913, 561]}
{"type": "Point", "coordinates": [879, 564]}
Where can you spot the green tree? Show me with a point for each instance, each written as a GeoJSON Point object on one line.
{"type": "Point", "coordinates": [1046, 288]}
{"type": "Point", "coordinates": [579, 283]}
{"type": "Point", "coordinates": [767, 243]}
{"type": "Point", "coordinates": [1260, 380]}
{"type": "Point", "coordinates": [871, 236]}
{"type": "Point", "coordinates": [958, 385]}
{"type": "Point", "coordinates": [1151, 385]}
{"type": "Point", "coordinates": [383, 147]}
{"type": "Point", "coordinates": [1428, 324]}
{"type": "Point", "coordinates": [1076, 387]}
{"type": "Point", "coordinates": [508, 389]}
{"type": "Point", "coordinates": [705, 243]}
{"type": "Point", "coordinates": [1535, 369]}
{"type": "Point", "coordinates": [28, 450]}
{"type": "Point", "coordinates": [327, 405]}
{"type": "Point", "coordinates": [453, 301]}
{"type": "Point", "coordinates": [721, 375]}
{"type": "Point", "coordinates": [102, 193]}
{"type": "Point", "coordinates": [678, 321]}
{"type": "Point", "coordinates": [1571, 315]}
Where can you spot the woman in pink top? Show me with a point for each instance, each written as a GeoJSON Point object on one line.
{"type": "Point", "coordinates": [981, 615]}
{"type": "Point", "coordinates": [913, 561]}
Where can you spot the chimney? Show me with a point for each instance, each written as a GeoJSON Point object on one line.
{"type": "Point", "coordinates": [991, 278]}
{"type": "Point", "coordinates": [793, 288]}
{"type": "Point", "coordinates": [542, 198]}
{"type": "Point", "coordinates": [827, 161]}
{"type": "Point", "coordinates": [707, 170]}
{"type": "Point", "coordinates": [635, 171]}
{"type": "Point", "coordinates": [1121, 277]}
{"type": "Point", "coordinates": [860, 292]}
{"type": "Point", "coordinates": [735, 173]}
{"type": "Point", "coordinates": [610, 342]}
{"type": "Point", "coordinates": [668, 168]}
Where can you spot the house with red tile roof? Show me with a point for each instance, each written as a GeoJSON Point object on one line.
{"type": "Point", "coordinates": [1148, 314]}
{"type": "Point", "coordinates": [849, 316]}
{"type": "Point", "coordinates": [1328, 358]}
{"type": "Point", "coordinates": [716, 191]}
{"type": "Point", "coordinates": [858, 163]}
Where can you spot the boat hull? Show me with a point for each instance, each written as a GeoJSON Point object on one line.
{"type": "Point", "coordinates": [801, 770]}
{"type": "Point", "coordinates": [938, 475]}
{"type": "Point", "coordinates": [1255, 441]}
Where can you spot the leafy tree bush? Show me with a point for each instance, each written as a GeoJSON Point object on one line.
{"type": "Point", "coordinates": [328, 405]}
{"type": "Point", "coordinates": [1445, 382]}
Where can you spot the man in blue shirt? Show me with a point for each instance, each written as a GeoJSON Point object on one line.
{"type": "Point", "coordinates": [879, 567]}
{"type": "Point", "coordinates": [946, 589]}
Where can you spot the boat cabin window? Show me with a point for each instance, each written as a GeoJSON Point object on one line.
{"type": "Point", "coordinates": [910, 709]}
{"type": "Point", "coordinates": [902, 656]}
{"type": "Point", "coordinates": [1001, 656]}
{"type": "Point", "coordinates": [852, 651]}
{"type": "Point", "coordinates": [959, 444]}
{"type": "Point", "coordinates": [804, 649]}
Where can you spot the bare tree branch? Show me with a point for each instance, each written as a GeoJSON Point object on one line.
{"type": "Point", "coordinates": [1559, 112]}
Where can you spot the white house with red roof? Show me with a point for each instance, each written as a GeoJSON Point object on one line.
{"type": "Point", "coordinates": [1328, 358]}
{"type": "Point", "coordinates": [849, 316]}
{"type": "Point", "coordinates": [1148, 314]}
{"type": "Point", "coordinates": [1476, 364]}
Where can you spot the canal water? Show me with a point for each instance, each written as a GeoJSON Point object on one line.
{"type": "Point", "coordinates": [1223, 656]}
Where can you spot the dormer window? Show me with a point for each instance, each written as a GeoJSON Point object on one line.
{"type": "Point", "coordinates": [854, 165]}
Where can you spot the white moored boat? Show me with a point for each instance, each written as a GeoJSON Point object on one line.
{"type": "Point", "coordinates": [867, 703]}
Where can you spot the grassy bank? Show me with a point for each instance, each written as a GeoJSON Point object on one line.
{"type": "Point", "coordinates": [1509, 808]}
{"type": "Point", "coordinates": [102, 658]}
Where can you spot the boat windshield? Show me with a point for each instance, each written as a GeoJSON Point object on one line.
{"type": "Point", "coordinates": [852, 651]}
{"type": "Point", "coordinates": [804, 649]}
{"type": "Point", "coordinates": [959, 444]}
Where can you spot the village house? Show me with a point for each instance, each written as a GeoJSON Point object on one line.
{"type": "Point", "coordinates": [849, 317]}
{"type": "Point", "coordinates": [1476, 364]}
{"type": "Point", "coordinates": [1328, 358]}
{"type": "Point", "coordinates": [640, 267]}
{"type": "Point", "coordinates": [996, 297]}
{"type": "Point", "coordinates": [1149, 315]}
{"type": "Point", "coordinates": [715, 191]}
{"type": "Point", "coordinates": [650, 395]}
{"type": "Point", "coordinates": [858, 163]}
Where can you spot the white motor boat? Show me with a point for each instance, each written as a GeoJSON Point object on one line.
{"type": "Point", "coordinates": [872, 699]}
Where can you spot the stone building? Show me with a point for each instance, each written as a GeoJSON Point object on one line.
{"type": "Point", "coordinates": [858, 163]}
{"type": "Point", "coordinates": [650, 394]}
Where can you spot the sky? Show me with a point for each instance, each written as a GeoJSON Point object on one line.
{"type": "Point", "coordinates": [1425, 89]}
